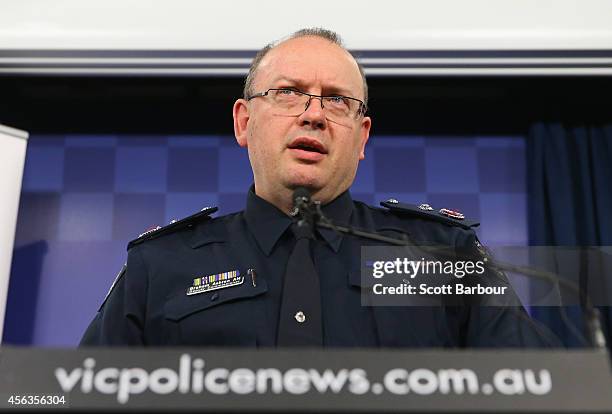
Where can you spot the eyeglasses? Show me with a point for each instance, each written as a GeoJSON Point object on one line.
{"type": "Point", "coordinates": [294, 102]}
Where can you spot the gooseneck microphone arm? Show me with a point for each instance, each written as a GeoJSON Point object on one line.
{"type": "Point", "coordinates": [592, 314]}
{"type": "Point", "coordinates": [310, 214]}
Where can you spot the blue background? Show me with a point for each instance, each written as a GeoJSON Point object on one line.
{"type": "Point", "coordinates": [84, 197]}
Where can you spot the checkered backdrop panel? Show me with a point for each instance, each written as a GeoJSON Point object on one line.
{"type": "Point", "coordinates": [84, 197]}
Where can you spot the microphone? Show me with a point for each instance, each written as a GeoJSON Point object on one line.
{"type": "Point", "coordinates": [305, 208]}
{"type": "Point", "coordinates": [301, 199]}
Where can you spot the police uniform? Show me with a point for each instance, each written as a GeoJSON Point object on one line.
{"type": "Point", "coordinates": [163, 296]}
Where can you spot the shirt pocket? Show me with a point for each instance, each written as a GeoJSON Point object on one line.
{"type": "Point", "coordinates": [222, 317]}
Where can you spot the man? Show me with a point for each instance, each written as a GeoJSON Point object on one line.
{"type": "Point", "coordinates": [254, 278]}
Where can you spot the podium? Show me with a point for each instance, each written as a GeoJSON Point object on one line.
{"type": "Point", "coordinates": [305, 380]}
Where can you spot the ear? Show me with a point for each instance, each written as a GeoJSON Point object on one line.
{"type": "Point", "coordinates": [241, 120]}
{"type": "Point", "coordinates": [366, 124]}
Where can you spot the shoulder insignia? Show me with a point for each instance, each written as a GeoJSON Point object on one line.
{"type": "Point", "coordinates": [173, 226]}
{"type": "Point", "coordinates": [444, 215]}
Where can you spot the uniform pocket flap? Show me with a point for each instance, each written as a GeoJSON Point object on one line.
{"type": "Point", "coordinates": [181, 305]}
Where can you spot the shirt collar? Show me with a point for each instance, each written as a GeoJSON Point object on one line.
{"type": "Point", "coordinates": [268, 223]}
{"type": "Point", "coordinates": [339, 211]}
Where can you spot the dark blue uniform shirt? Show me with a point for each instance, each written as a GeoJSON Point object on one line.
{"type": "Point", "coordinates": [148, 304]}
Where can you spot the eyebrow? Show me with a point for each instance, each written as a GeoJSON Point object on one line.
{"type": "Point", "coordinates": [301, 84]}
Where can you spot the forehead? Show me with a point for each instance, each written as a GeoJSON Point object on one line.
{"type": "Point", "coordinates": [312, 61]}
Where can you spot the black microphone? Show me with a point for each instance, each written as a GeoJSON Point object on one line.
{"type": "Point", "coordinates": [301, 199]}
{"type": "Point", "coordinates": [304, 207]}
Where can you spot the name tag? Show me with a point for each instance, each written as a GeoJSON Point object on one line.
{"type": "Point", "coordinates": [214, 282]}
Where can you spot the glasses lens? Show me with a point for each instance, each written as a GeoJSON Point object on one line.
{"type": "Point", "coordinates": [289, 100]}
{"type": "Point", "coordinates": [340, 106]}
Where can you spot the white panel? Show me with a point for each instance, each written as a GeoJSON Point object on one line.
{"type": "Point", "coordinates": [12, 157]}
{"type": "Point", "coordinates": [248, 24]}
{"type": "Point", "coordinates": [216, 37]}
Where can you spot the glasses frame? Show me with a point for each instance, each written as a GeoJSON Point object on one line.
{"type": "Point", "coordinates": [361, 111]}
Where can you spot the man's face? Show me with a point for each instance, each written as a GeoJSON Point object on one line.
{"type": "Point", "coordinates": [317, 66]}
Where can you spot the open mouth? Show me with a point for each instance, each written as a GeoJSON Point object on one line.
{"type": "Point", "coordinates": [308, 145]}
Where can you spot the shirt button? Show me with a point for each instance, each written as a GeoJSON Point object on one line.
{"type": "Point", "coordinates": [300, 317]}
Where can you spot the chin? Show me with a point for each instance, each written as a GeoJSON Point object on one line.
{"type": "Point", "coordinates": [299, 179]}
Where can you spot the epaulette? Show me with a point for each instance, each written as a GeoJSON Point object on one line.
{"type": "Point", "coordinates": [444, 215]}
{"type": "Point", "coordinates": [173, 226]}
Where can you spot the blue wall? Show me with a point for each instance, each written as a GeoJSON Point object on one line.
{"type": "Point", "coordinates": [85, 197]}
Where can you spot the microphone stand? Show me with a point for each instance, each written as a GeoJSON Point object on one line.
{"type": "Point", "coordinates": [592, 314]}
{"type": "Point", "coordinates": [312, 215]}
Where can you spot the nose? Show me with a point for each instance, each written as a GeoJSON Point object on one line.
{"type": "Point", "coordinates": [313, 116]}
